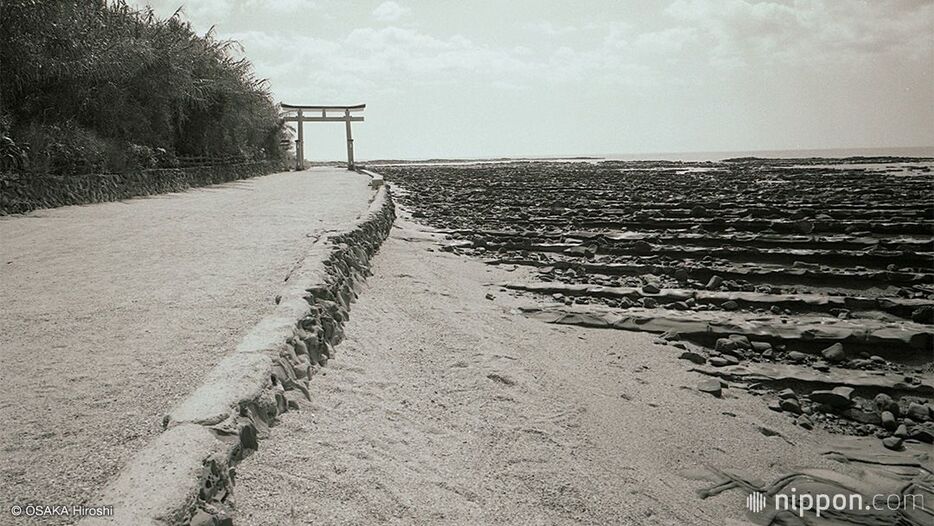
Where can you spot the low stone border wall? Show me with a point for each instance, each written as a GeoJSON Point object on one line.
{"type": "Point", "coordinates": [186, 474]}
{"type": "Point", "coordinates": [22, 193]}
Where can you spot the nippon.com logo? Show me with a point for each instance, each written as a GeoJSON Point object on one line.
{"type": "Point", "coordinates": [757, 502]}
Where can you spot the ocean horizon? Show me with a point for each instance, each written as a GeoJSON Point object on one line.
{"type": "Point", "coordinates": [825, 153]}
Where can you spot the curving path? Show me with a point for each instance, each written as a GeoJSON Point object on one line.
{"type": "Point", "coordinates": [113, 312]}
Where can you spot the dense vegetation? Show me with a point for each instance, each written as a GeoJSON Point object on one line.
{"type": "Point", "coordinates": [97, 86]}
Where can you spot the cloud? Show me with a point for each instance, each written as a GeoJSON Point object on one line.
{"type": "Point", "coordinates": [280, 6]}
{"type": "Point", "coordinates": [545, 27]}
{"type": "Point", "coordinates": [390, 59]}
{"type": "Point", "coordinates": [671, 41]}
{"type": "Point", "coordinates": [741, 32]}
{"type": "Point", "coordinates": [389, 11]}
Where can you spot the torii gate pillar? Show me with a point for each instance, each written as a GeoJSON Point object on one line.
{"type": "Point", "coordinates": [350, 165]}
{"type": "Point", "coordinates": [296, 114]}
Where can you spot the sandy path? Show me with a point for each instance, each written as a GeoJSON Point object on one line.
{"type": "Point", "coordinates": [446, 407]}
{"type": "Point", "coordinates": [113, 312]}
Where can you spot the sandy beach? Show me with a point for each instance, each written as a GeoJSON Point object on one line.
{"type": "Point", "coordinates": [446, 406]}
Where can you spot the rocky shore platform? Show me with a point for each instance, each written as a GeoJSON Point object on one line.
{"type": "Point", "coordinates": [806, 284]}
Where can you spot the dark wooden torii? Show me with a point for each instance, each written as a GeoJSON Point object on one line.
{"type": "Point", "coordinates": [302, 114]}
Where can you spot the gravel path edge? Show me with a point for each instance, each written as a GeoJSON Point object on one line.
{"type": "Point", "coordinates": [187, 474]}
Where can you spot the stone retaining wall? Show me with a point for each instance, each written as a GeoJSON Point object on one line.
{"type": "Point", "coordinates": [186, 475]}
{"type": "Point", "coordinates": [22, 193]}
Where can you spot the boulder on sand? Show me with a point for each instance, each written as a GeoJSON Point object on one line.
{"type": "Point", "coordinates": [725, 345]}
{"type": "Point", "coordinates": [838, 397]}
{"type": "Point", "coordinates": [884, 402]}
{"type": "Point", "coordinates": [715, 282]}
{"type": "Point", "coordinates": [693, 357]}
{"type": "Point", "coordinates": [918, 412]}
{"type": "Point", "coordinates": [797, 356]}
{"type": "Point", "coordinates": [834, 353]}
{"type": "Point", "coordinates": [710, 386]}
{"type": "Point", "coordinates": [791, 405]}
{"type": "Point", "coordinates": [888, 420]}
{"type": "Point", "coordinates": [894, 443]}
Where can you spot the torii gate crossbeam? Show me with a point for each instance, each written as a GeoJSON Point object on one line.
{"type": "Point", "coordinates": [302, 114]}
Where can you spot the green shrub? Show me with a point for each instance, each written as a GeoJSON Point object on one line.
{"type": "Point", "coordinates": [99, 86]}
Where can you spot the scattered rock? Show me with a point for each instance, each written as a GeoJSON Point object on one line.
{"type": "Point", "coordinates": [650, 288]}
{"type": "Point", "coordinates": [922, 434]}
{"type": "Point", "coordinates": [834, 353]}
{"type": "Point", "coordinates": [776, 406]}
{"type": "Point", "coordinates": [715, 282]}
{"type": "Point", "coordinates": [649, 303]}
{"type": "Point", "coordinates": [642, 248]}
{"type": "Point", "coordinates": [741, 341]}
{"type": "Point", "coordinates": [791, 405]}
{"type": "Point", "coordinates": [725, 345]}
{"type": "Point", "coordinates": [859, 363]}
{"type": "Point", "coordinates": [718, 361]}
{"type": "Point", "coordinates": [923, 314]}
{"type": "Point", "coordinates": [729, 305]}
{"type": "Point", "coordinates": [693, 357]}
{"type": "Point", "coordinates": [858, 414]}
{"type": "Point", "coordinates": [784, 394]}
{"type": "Point", "coordinates": [838, 397]}
{"type": "Point", "coordinates": [804, 422]}
{"type": "Point", "coordinates": [710, 386]}
{"type": "Point", "coordinates": [797, 357]}
{"type": "Point", "coordinates": [769, 432]}
{"type": "Point", "coordinates": [805, 227]}
{"type": "Point", "coordinates": [761, 347]}
{"type": "Point", "coordinates": [918, 412]}
{"type": "Point", "coordinates": [894, 443]}
{"type": "Point", "coordinates": [888, 420]}
{"type": "Point", "coordinates": [884, 402]}
{"type": "Point", "coordinates": [901, 431]}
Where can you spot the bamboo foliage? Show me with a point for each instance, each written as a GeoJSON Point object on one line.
{"type": "Point", "coordinates": [101, 81]}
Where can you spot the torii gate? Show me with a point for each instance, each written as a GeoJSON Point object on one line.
{"type": "Point", "coordinates": [302, 114]}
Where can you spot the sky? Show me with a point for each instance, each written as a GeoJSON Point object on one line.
{"type": "Point", "coordinates": [459, 79]}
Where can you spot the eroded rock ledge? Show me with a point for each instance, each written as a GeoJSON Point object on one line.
{"type": "Point", "coordinates": [187, 474]}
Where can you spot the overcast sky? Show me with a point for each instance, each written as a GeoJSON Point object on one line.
{"type": "Point", "coordinates": [508, 78]}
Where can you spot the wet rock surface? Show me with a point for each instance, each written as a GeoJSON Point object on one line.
{"type": "Point", "coordinates": [809, 283]}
